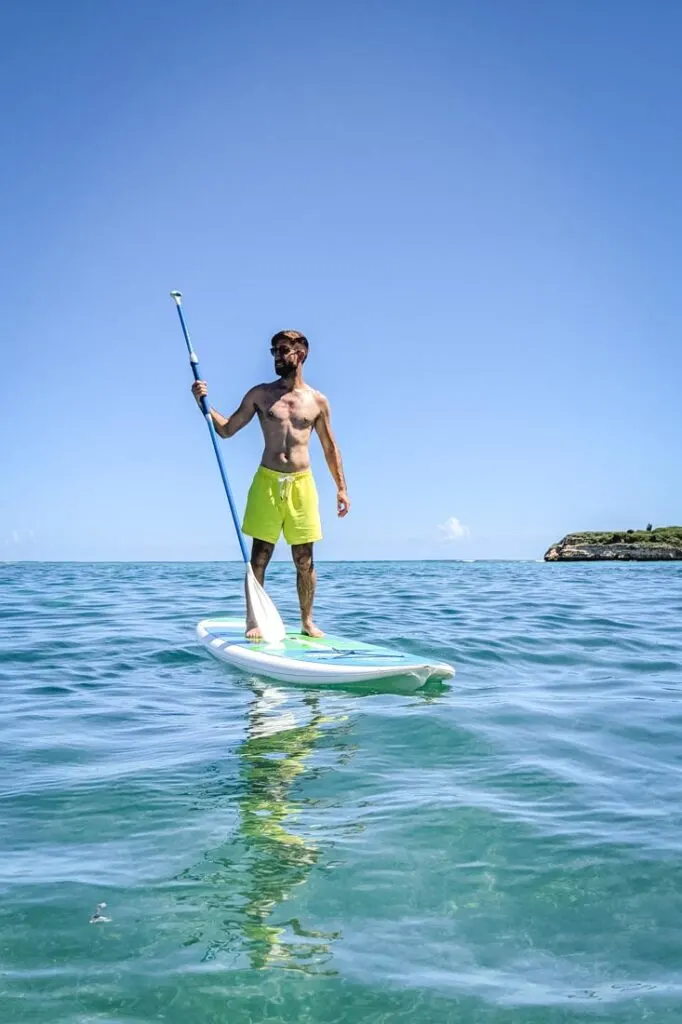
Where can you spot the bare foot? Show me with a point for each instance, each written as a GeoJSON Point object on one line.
{"type": "Point", "coordinates": [253, 633]}
{"type": "Point", "coordinates": [310, 629]}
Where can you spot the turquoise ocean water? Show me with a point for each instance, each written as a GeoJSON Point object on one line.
{"type": "Point", "coordinates": [504, 851]}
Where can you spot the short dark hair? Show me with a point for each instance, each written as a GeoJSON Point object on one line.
{"type": "Point", "coordinates": [294, 336]}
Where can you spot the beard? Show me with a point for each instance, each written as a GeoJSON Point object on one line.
{"type": "Point", "coordinates": [283, 367]}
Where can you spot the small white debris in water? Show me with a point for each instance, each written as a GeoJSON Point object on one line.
{"type": "Point", "coordinates": [98, 917]}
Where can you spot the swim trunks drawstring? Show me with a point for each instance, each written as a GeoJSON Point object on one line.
{"type": "Point", "coordinates": [285, 483]}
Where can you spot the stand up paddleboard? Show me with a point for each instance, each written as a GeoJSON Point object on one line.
{"type": "Point", "coordinates": [326, 661]}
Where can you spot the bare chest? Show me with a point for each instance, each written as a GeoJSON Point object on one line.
{"type": "Point", "coordinates": [296, 411]}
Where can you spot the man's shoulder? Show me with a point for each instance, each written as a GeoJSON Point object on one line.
{"type": "Point", "coordinates": [259, 390]}
{"type": "Point", "coordinates": [319, 397]}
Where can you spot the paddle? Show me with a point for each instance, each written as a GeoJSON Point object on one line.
{"type": "Point", "coordinates": [266, 616]}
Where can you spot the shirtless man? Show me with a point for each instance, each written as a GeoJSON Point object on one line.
{"type": "Point", "coordinates": [283, 495]}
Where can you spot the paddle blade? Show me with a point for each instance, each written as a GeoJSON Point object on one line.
{"type": "Point", "coordinates": [267, 617]}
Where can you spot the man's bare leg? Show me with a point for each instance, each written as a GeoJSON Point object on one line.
{"type": "Point", "coordinates": [261, 553]}
{"type": "Point", "coordinates": [305, 584]}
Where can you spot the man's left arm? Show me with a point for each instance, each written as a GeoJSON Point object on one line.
{"type": "Point", "coordinates": [332, 454]}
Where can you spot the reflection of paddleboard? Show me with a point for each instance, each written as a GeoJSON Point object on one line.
{"type": "Point", "coordinates": [305, 659]}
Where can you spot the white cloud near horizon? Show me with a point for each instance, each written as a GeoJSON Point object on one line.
{"type": "Point", "coordinates": [452, 529]}
{"type": "Point", "coordinates": [18, 537]}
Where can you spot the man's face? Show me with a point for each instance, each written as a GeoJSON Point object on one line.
{"type": "Point", "coordinates": [287, 357]}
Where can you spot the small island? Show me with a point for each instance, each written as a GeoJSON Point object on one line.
{"type": "Point", "coordinates": [662, 544]}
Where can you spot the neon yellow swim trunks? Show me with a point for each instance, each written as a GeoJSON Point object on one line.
{"type": "Point", "coordinates": [286, 501]}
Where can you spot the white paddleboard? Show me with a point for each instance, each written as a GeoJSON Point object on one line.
{"type": "Point", "coordinates": [328, 660]}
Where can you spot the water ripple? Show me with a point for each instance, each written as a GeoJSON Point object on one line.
{"type": "Point", "coordinates": [501, 851]}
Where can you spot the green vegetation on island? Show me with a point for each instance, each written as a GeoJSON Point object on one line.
{"type": "Point", "coordinates": [660, 535]}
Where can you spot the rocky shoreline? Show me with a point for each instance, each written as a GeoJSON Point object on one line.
{"type": "Point", "coordinates": [661, 545]}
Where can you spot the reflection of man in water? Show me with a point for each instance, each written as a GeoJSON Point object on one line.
{"type": "Point", "coordinates": [252, 883]}
{"type": "Point", "coordinates": [272, 758]}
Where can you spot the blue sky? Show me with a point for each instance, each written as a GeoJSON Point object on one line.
{"type": "Point", "coordinates": [472, 210]}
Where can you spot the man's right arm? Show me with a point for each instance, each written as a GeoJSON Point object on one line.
{"type": "Point", "coordinates": [227, 426]}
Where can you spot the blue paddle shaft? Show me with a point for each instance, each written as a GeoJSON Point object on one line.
{"type": "Point", "coordinates": [194, 363]}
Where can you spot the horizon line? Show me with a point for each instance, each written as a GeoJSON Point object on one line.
{"type": "Point", "coordinates": [239, 561]}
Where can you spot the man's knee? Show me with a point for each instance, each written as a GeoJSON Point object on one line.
{"type": "Point", "coordinates": [261, 553]}
{"type": "Point", "coordinates": [302, 555]}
